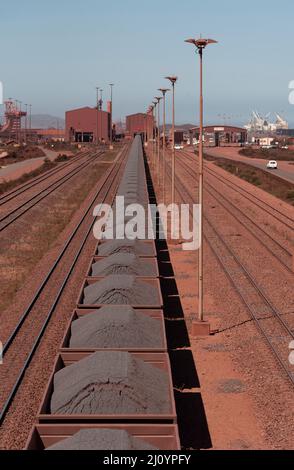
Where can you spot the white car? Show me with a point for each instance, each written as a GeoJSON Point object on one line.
{"type": "Point", "coordinates": [272, 165]}
{"type": "Point", "coordinates": [178, 147]}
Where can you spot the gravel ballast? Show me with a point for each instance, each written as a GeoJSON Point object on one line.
{"type": "Point", "coordinates": [110, 383]}
{"type": "Point", "coordinates": [123, 263]}
{"type": "Point", "coordinates": [121, 290]}
{"type": "Point", "coordinates": [116, 327]}
{"type": "Point", "coordinates": [102, 439]}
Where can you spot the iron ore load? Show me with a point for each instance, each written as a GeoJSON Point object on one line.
{"type": "Point", "coordinates": [111, 387]}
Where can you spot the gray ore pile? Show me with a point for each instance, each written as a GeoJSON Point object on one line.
{"type": "Point", "coordinates": [138, 247]}
{"type": "Point", "coordinates": [123, 263]}
{"type": "Point", "coordinates": [102, 439]}
{"type": "Point", "coordinates": [110, 383]}
{"type": "Point", "coordinates": [121, 290]}
{"type": "Point", "coordinates": [116, 327]}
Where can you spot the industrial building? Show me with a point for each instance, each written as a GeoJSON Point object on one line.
{"type": "Point", "coordinates": [11, 128]}
{"type": "Point", "coordinates": [87, 125]}
{"type": "Point", "coordinates": [55, 135]}
{"type": "Point", "coordinates": [220, 135]}
{"type": "Point", "coordinates": [140, 123]}
{"type": "Point", "coordinates": [179, 136]}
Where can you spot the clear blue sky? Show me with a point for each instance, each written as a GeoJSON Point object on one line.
{"type": "Point", "coordinates": [54, 53]}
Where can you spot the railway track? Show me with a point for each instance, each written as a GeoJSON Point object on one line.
{"type": "Point", "coordinates": [273, 246]}
{"type": "Point", "coordinates": [268, 319]}
{"type": "Point", "coordinates": [23, 341]}
{"type": "Point", "coordinates": [20, 189]}
{"type": "Point", "coordinates": [23, 207]}
{"type": "Point", "coordinates": [275, 213]}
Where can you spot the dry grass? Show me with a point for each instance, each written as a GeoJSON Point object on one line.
{"type": "Point", "coordinates": [268, 182]}
{"type": "Point", "coordinates": [268, 154]}
{"type": "Point", "coordinates": [8, 185]}
{"type": "Point", "coordinates": [40, 230]}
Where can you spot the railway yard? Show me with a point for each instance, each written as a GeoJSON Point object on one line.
{"type": "Point", "coordinates": [98, 343]}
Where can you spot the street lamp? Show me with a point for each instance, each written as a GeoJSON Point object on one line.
{"type": "Point", "coordinates": [97, 114]}
{"type": "Point", "coordinates": [148, 113]}
{"type": "Point", "coordinates": [20, 133]}
{"type": "Point", "coordinates": [163, 91]}
{"type": "Point", "coordinates": [151, 130]}
{"type": "Point", "coordinates": [145, 128]}
{"type": "Point", "coordinates": [158, 99]}
{"type": "Point", "coordinates": [101, 108]}
{"type": "Point", "coordinates": [26, 122]}
{"type": "Point", "coordinates": [111, 96]}
{"type": "Point", "coordinates": [154, 135]}
{"type": "Point", "coordinates": [173, 79]}
{"type": "Point", "coordinates": [200, 45]}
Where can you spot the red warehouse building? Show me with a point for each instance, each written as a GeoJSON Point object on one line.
{"type": "Point", "coordinates": [87, 125]}
{"type": "Point", "coordinates": [140, 123]}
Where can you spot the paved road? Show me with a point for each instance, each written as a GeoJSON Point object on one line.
{"type": "Point", "coordinates": [16, 170]}
{"type": "Point", "coordinates": [285, 170]}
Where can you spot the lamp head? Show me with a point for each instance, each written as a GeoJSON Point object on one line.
{"type": "Point", "coordinates": [172, 79]}
{"type": "Point", "coordinates": [200, 43]}
{"type": "Point", "coordinates": [163, 90]}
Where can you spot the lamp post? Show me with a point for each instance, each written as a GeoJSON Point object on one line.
{"type": "Point", "coordinates": [30, 120]}
{"type": "Point", "coordinates": [20, 136]}
{"type": "Point", "coordinates": [111, 97]}
{"type": "Point", "coordinates": [200, 45]}
{"type": "Point", "coordinates": [97, 114]}
{"type": "Point", "coordinates": [151, 128]}
{"type": "Point", "coordinates": [145, 128]}
{"type": "Point", "coordinates": [101, 106]}
{"type": "Point", "coordinates": [26, 122]}
{"type": "Point", "coordinates": [150, 119]}
{"type": "Point", "coordinates": [163, 91]}
{"type": "Point", "coordinates": [158, 99]}
{"type": "Point", "coordinates": [173, 79]}
{"type": "Point", "coordinates": [154, 135]}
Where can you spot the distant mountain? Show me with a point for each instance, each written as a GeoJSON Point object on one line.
{"type": "Point", "coordinates": [46, 121]}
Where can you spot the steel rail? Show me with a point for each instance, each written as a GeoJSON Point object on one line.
{"type": "Point", "coordinates": [109, 179]}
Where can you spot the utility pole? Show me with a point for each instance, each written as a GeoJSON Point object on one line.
{"type": "Point", "coordinates": [30, 117]}
{"type": "Point", "coordinates": [97, 114]}
{"type": "Point", "coordinates": [26, 122]}
{"type": "Point", "coordinates": [101, 106]}
{"type": "Point", "coordinates": [111, 115]}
